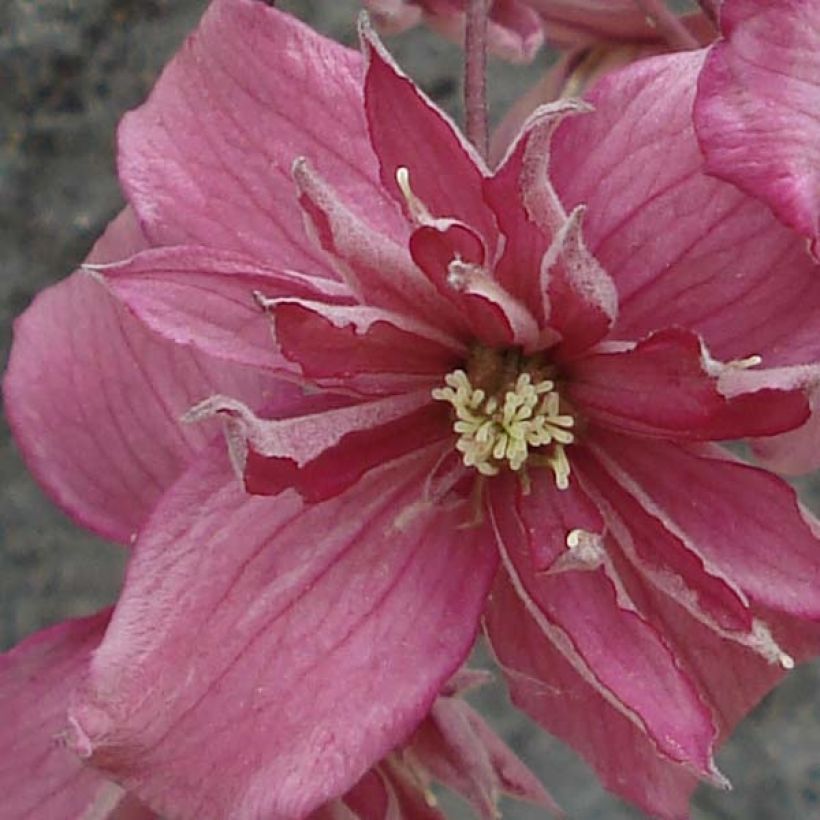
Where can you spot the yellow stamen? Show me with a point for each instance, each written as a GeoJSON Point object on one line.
{"type": "Point", "coordinates": [498, 430]}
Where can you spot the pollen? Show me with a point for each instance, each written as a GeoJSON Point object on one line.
{"type": "Point", "coordinates": [510, 428]}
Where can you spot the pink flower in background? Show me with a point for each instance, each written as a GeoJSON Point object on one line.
{"type": "Point", "coordinates": [573, 23]}
{"type": "Point", "coordinates": [514, 29]}
{"type": "Point", "coordinates": [517, 28]}
{"type": "Point", "coordinates": [513, 383]}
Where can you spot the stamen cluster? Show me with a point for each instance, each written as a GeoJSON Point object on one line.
{"type": "Point", "coordinates": [503, 429]}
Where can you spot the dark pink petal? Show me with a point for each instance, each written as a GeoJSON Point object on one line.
{"type": "Point", "coordinates": [208, 299]}
{"type": "Point", "coordinates": [370, 797]}
{"type": "Point", "coordinates": [667, 386]}
{"type": "Point", "coordinates": [453, 256]}
{"type": "Point", "coordinates": [742, 520]}
{"type": "Point", "coordinates": [376, 268]}
{"type": "Point", "coordinates": [344, 462]}
{"type": "Point", "coordinates": [683, 248]}
{"type": "Point", "coordinates": [757, 113]}
{"type": "Point", "coordinates": [671, 564]}
{"type": "Point", "coordinates": [409, 131]}
{"type": "Point", "coordinates": [546, 685]}
{"type": "Point", "coordinates": [795, 451]}
{"type": "Point", "coordinates": [341, 466]}
{"type": "Point", "coordinates": [565, 510]}
{"type": "Point", "coordinates": [510, 190]}
{"type": "Point", "coordinates": [731, 678]}
{"type": "Point", "coordinates": [364, 605]}
{"type": "Point", "coordinates": [591, 621]}
{"type": "Point", "coordinates": [95, 399]}
{"type": "Point", "coordinates": [546, 262]}
{"type": "Point", "coordinates": [39, 777]}
{"type": "Point", "coordinates": [207, 159]}
{"type": "Point", "coordinates": [333, 343]}
{"type": "Point", "coordinates": [581, 297]}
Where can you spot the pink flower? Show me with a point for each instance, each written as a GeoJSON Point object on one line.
{"type": "Point", "coordinates": [572, 23]}
{"type": "Point", "coordinates": [514, 29]}
{"type": "Point", "coordinates": [517, 27]}
{"type": "Point", "coordinates": [514, 380]}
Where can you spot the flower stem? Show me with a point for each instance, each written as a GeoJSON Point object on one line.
{"type": "Point", "coordinates": [668, 24]}
{"type": "Point", "coordinates": [475, 74]}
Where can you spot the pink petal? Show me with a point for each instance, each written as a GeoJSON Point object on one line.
{"type": "Point", "coordinates": [94, 399]}
{"type": "Point", "coordinates": [547, 687]}
{"type": "Point", "coordinates": [394, 16]}
{"type": "Point", "coordinates": [273, 668]}
{"type": "Point", "coordinates": [514, 32]}
{"type": "Point", "coordinates": [459, 750]}
{"type": "Point", "coordinates": [797, 451]}
{"type": "Point", "coordinates": [666, 386]}
{"type": "Point", "coordinates": [337, 343]}
{"type": "Point", "coordinates": [683, 248]}
{"type": "Point", "coordinates": [757, 112]}
{"type": "Point", "coordinates": [742, 520]}
{"type": "Point", "coordinates": [39, 777]}
{"type": "Point", "coordinates": [590, 621]}
{"type": "Point", "coordinates": [515, 778]}
{"type": "Point", "coordinates": [207, 299]}
{"type": "Point", "coordinates": [207, 159]}
{"type": "Point", "coordinates": [409, 131]}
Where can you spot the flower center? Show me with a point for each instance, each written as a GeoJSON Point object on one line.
{"type": "Point", "coordinates": [508, 418]}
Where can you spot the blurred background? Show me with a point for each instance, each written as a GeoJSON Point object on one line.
{"type": "Point", "coordinates": [68, 70]}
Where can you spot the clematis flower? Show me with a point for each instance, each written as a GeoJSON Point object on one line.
{"type": "Point", "coordinates": [513, 382]}
{"type": "Point", "coordinates": [514, 30]}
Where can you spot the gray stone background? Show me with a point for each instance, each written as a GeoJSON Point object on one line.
{"type": "Point", "coordinates": [68, 70]}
